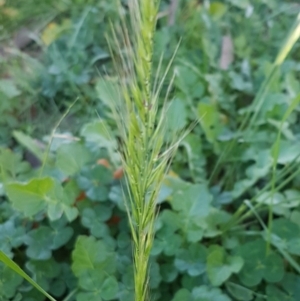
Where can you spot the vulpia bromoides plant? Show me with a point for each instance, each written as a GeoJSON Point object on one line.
{"type": "Point", "coordinates": [142, 126]}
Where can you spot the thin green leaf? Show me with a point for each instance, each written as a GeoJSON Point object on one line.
{"type": "Point", "coordinates": [11, 264]}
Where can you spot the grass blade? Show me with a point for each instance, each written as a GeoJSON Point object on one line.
{"type": "Point", "coordinates": [275, 153]}
{"type": "Point", "coordinates": [252, 113]}
{"type": "Point", "coordinates": [11, 264]}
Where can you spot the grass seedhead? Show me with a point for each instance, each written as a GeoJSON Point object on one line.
{"type": "Point", "coordinates": [141, 121]}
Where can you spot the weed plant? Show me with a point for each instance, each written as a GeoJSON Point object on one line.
{"type": "Point", "coordinates": [142, 124]}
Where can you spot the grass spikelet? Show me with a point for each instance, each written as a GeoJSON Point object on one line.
{"type": "Point", "coordinates": [141, 123]}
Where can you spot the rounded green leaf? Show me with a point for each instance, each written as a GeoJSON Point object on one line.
{"type": "Point", "coordinates": [176, 118]}
{"type": "Point", "coordinates": [39, 242]}
{"type": "Point", "coordinates": [168, 272]}
{"type": "Point", "coordinates": [89, 296]}
{"type": "Point", "coordinates": [9, 282]}
{"type": "Point", "coordinates": [193, 200]}
{"type": "Point", "coordinates": [239, 292]}
{"type": "Point", "coordinates": [220, 266]}
{"type": "Point", "coordinates": [29, 197]}
{"type": "Point", "coordinates": [166, 242]}
{"type": "Point", "coordinates": [258, 264]}
{"type": "Point", "coordinates": [11, 236]}
{"type": "Point", "coordinates": [109, 288]}
{"type": "Point", "coordinates": [88, 254]}
{"type": "Point", "coordinates": [183, 295]}
{"type": "Point", "coordinates": [285, 229]}
{"type": "Point", "coordinates": [205, 293]}
{"type": "Point", "coordinates": [94, 219]}
{"type": "Point", "coordinates": [72, 157]}
{"type": "Point", "coordinates": [274, 268]}
{"type": "Point", "coordinates": [154, 275]}
{"type": "Point", "coordinates": [192, 260]}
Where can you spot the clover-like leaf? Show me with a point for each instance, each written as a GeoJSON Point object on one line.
{"type": "Point", "coordinates": [9, 282]}
{"type": "Point", "coordinates": [189, 82]}
{"type": "Point", "coordinates": [92, 262]}
{"type": "Point", "coordinates": [39, 242]}
{"type": "Point", "coordinates": [92, 278]}
{"type": "Point", "coordinates": [205, 293]}
{"type": "Point", "coordinates": [125, 294]}
{"type": "Point", "coordinates": [168, 272]}
{"type": "Point", "coordinates": [239, 292]}
{"type": "Point", "coordinates": [176, 118]}
{"type": "Point", "coordinates": [289, 150]}
{"type": "Point", "coordinates": [166, 242]}
{"type": "Point", "coordinates": [94, 181]}
{"type": "Point", "coordinates": [258, 264]}
{"type": "Point", "coordinates": [154, 275]}
{"type": "Point", "coordinates": [170, 219]}
{"type": "Point", "coordinates": [257, 170]}
{"type": "Point", "coordinates": [43, 240]}
{"type": "Point", "coordinates": [90, 255]}
{"type": "Point", "coordinates": [94, 219]}
{"type": "Point", "coordinates": [44, 271]}
{"type": "Point", "coordinates": [109, 288]}
{"type": "Point", "coordinates": [285, 229]}
{"type": "Point", "coordinates": [41, 194]}
{"type": "Point", "coordinates": [201, 293]}
{"type": "Point", "coordinates": [96, 132]}
{"type": "Point", "coordinates": [291, 284]}
{"type": "Point", "coordinates": [72, 157]}
{"type": "Point", "coordinates": [91, 296]}
{"type": "Point", "coordinates": [11, 164]}
{"type": "Point", "coordinates": [64, 281]}
{"type": "Point", "coordinates": [220, 266]}
{"type": "Point", "coordinates": [183, 295]}
{"type": "Point", "coordinates": [293, 246]}
{"type": "Point", "coordinates": [214, 221]}
{"type": "Point", "coordinates": [117, 196]}
{"type": "Point", "coordinates": [11, 236]}
{"type": "Point", "coordinates": [189, 282]}
{"type": "Point", "coordinates": [61, 236]}
{"type": "Point", "coordinates": [192, 260]}
{"type": "Point", "coordinates": [192, 202]}
{"type": "Point", "coordinates": [29, 197]}
{"type": "Point", "coordinates": [275, 294]}
{"type": "Point", "coordinates": [286, 234]}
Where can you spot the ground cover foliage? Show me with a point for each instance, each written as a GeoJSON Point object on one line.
{"type": "Point", "coordinates": [228, 226]}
